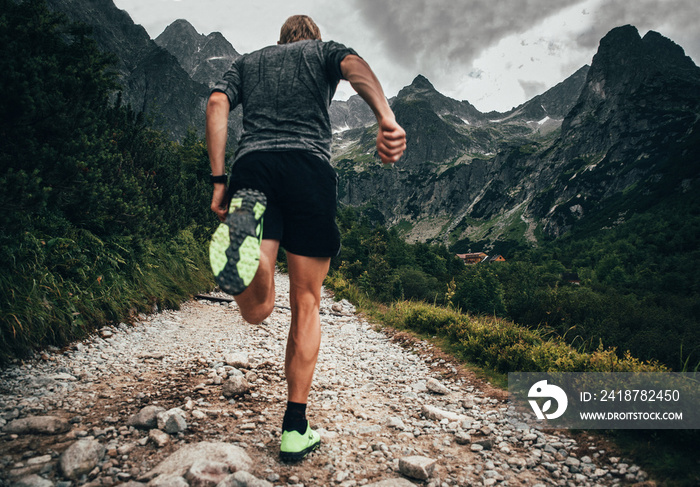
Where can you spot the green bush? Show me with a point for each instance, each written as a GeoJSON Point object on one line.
{"type": "Point", "coordinates": [503, 346]}
{"type": "Point", "coordinates": [102, 215]}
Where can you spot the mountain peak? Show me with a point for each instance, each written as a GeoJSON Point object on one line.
{"type": "Point", "coordinates": [419, 85]}
{"type": "Point", "coordinates": [204, 57]}
{"type": "Point", "coordinates": [668, 52]}
{"type": "Point", "coordinates": [620, 34]}
{"type": "Point", "coordinates": [624, 50]}
{"type": "Point", "coordinates": [421, 82]}
{"type": "Point", "coordinates": [180, 27]}
{"type": "Point", "coordinates": [629, 79]}
{"type": "Point", "coordinates": [626, 64]}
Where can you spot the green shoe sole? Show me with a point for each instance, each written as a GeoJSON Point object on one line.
{"type": "Point", "coordinates": [234, 251]}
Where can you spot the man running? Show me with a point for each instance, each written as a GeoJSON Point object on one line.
{"type": "Point", "coordinates": [283, 190]}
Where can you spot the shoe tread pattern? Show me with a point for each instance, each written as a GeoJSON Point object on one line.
{"type": "Point", "coordinates": [242, 248]}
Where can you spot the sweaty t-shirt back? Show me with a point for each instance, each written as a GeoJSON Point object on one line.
{"type": "Point", "coordinates": [285, 91]}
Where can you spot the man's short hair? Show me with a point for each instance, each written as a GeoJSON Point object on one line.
{"type": "Point", "coordinates": [299, 28]}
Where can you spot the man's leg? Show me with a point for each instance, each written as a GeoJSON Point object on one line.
{"type": "Point", "coordinates": [258, 300]}
{"type": "Point", "coordinates": [306, 275]}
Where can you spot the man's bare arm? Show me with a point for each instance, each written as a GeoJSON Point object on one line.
{"type": "Point", "coordinates": [391, 138]}
{"type": "Point", "coordinates": [217, 134]}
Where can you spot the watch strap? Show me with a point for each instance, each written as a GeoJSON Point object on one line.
{"type": "Point", "coordinates": [221, 179]}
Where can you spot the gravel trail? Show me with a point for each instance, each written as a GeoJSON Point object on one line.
{"type": "Point", "coordinates": [195, 397]}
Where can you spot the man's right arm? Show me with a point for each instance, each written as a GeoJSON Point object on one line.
{"type": "Point", "coordinates": [216, 135]}
{"type": "Point", "coordinates": [391, 138]}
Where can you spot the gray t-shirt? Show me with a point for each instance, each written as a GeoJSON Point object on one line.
{"type": "Point", "coordinates": [285, 91]}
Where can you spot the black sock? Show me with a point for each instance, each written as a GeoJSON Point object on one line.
{"type": "Point", "coordinates": [295, 418]}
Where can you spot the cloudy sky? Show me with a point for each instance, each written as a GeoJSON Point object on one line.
{"type": "Point", "coordinates": [496, 54]}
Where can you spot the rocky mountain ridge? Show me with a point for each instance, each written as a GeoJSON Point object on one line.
{"type": "Point", "coordinates": [494, 181]}
{"type": "Point", "coordinates": [204, 57]}
{"type": "Point", "coordinates": [152, 80]}
{"type": "Point", "coordinates": [632, 133]}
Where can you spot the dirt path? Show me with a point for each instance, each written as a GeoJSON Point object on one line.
{"type": "Point", "coordinates": [389, 408]}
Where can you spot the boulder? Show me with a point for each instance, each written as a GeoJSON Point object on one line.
{"type": "Point", "coordinates": [417, 467]}
{"type": "Point", "coordinates": [41, 425]}
{"type": "Point", "coordinates": [180, 462]}
{"type": "Point", "coordinates": [146, 419]}
{"type": "Point", "coordinates": [80, 458]}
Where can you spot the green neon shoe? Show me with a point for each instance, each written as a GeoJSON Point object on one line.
{"type": "Point", "coordinates": [234, 251]}
{"type": "Point", "coordinates": [295, 447]}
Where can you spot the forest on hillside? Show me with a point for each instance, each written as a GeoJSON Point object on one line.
{"type": "Point", "coordinates": [639, 282]}
{"type": "Point", "coordinates": [102, 217]}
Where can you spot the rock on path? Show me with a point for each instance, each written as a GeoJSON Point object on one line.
{"type": "Point", "coordinates": [195, 397]}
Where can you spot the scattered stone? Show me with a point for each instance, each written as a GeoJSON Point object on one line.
{"type": "Point", "coordinates": [64, 376]}
{"type": "Point", "coordinates": [431, 412]}
{"type": "Point", "coordinates": [166, 480]}
{"type": "Point", "coordinates": [400, 482]}
{"type": "Point", "coordinates": [198, 414]}
{"type": "Point", "coordinates": [172, 421]}
{"type": "Point", "coordinates": [152, 355]}
{"type": "Point", "coordinates": [237, 360]}
{"type": "Point", "coordinates": [80, 458]}
{"type": "Point", "coordinates": [235, 386]}
{"type": "Point", "coordinates": [39, 460]}
{"type": "Point", "coordinates": [205, 473]}
{"type": "Point", "coordinates": [33, 480]}
{"type": "Point", "coordinates": [417, 467]}
{"type": "Point", "coordinates": [435, 386]}
{"type": "Point", "coordinates": [467, 403]}
{"type": "Point", "coordinates": [38, 425]}
{"type": "Point", "coordinates": [126, 448]}
{"type": "Point", "coordinates": [395, 422]}
{"type": "Point", "coordinates": [160, 438]}
{"type": "Point", "coordinates": [180, 462]}
{"type": "Point", "coordinates": [147, 418]}
{"type": "Point", "coordinates": [486, 443]}
{"type": "Point", "coordinates": [243, 479]}
{"type": "Point", "coordinates": [463, 438]}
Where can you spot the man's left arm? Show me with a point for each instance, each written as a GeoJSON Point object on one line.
{"type": "Point", "coordinates": [391, 137]}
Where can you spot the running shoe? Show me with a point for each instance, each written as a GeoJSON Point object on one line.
{"type": "Point", "coordinates": [295, 446]}
{"type": "Point", "coordinates": [234, 251]}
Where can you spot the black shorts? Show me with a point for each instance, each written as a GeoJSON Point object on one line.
{"type": "Point", "coordinates": [302, 191]}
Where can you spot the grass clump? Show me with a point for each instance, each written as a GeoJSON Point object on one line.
{"type": "Point", "coordinates": [495, 344]}
{"type": "Point", "coordinates": [504, 346]}
{"type": "Point", "coordinates": [102, 215]}
{"type": "Point", "coordinates": [60, 289]}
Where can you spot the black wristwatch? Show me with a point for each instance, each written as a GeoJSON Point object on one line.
{"type": "Point", "coordinates": [218, 179]}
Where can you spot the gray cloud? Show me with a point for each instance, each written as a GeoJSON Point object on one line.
{"type": "Point", "coordinates": [675, 19]}
{"type": "Point", "coordinates": [426, 33]}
